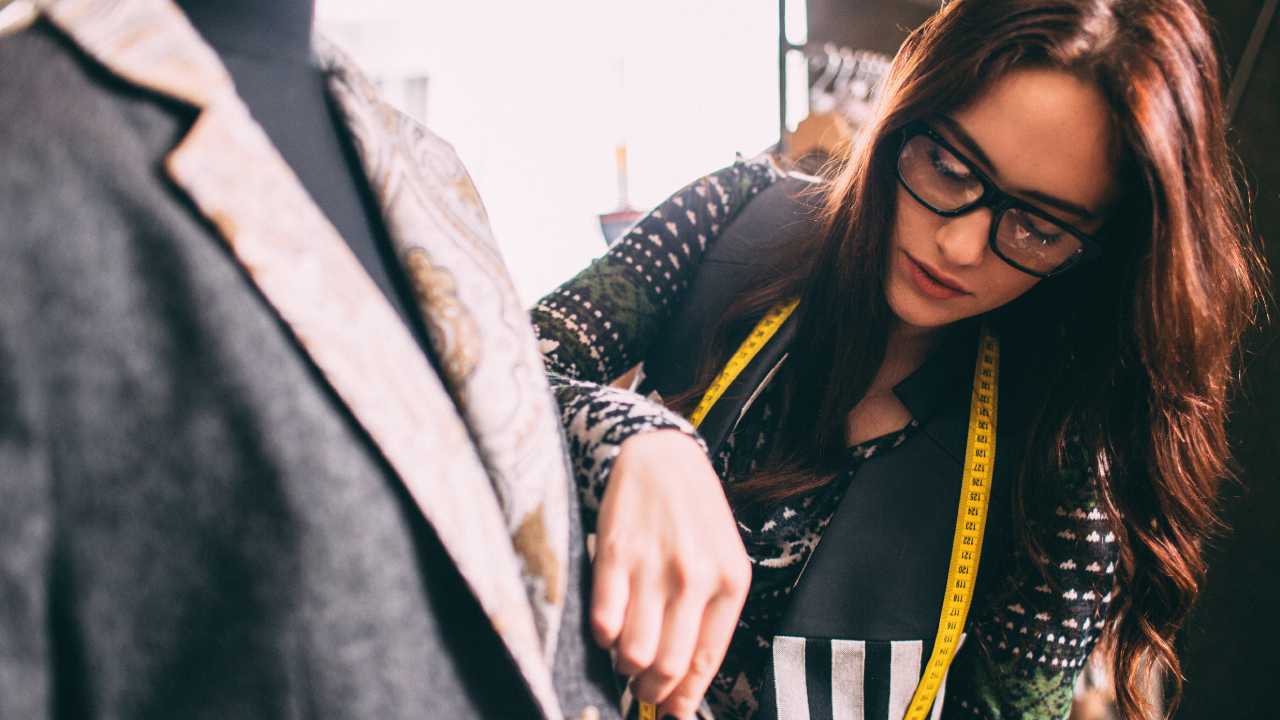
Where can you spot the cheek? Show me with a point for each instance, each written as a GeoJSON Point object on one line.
{"type": "Point", "coordinates": [912, 224]}
{"type": "Point", "coordinates": [1002, 283]}
{"type": "Point", "coordinates": [997, 282]}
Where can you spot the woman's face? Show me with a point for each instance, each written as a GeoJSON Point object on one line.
{"type": "Point", "coordinates": [1041, 136]}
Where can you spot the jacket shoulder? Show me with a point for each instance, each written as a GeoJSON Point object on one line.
{"type": "Point", "coordinates": [61, 110]}
{"type": "Point", "coordinates": [82, 190]}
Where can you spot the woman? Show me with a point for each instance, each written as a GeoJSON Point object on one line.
{"type": "Point", "coordinates": [1055, 171]}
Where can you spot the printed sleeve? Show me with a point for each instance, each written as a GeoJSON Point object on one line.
{"type": "Point", "coordinates": [599, 324]}
{"type": "Point", "coordinates": [597, 419]}
{"type": "Point", "coordinates": [1025, 650]}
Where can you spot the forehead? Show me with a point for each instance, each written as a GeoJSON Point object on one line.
{"type": "Point", "coordinates": [1044, 131]}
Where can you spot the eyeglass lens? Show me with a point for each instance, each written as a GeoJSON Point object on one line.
{"type": "Point", "coordinates": [945, 183]}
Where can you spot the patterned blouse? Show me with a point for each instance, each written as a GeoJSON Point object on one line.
{"type": "Point", "coordinates": [1027, 642]}
{"type": "Point", "coordinates": [779, 540]}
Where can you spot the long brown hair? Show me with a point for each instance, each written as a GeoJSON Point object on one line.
{"type": "Point", "coordinates": [1139, 351]}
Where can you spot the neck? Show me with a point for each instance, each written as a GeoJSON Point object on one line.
{"type": "Point", "coordinates": [278, 30]}
{"type": "Point", "coordinates": [905, 351]}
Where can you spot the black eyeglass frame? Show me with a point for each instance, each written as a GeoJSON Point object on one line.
{"type": "Point", "coordinates": [998, 200]}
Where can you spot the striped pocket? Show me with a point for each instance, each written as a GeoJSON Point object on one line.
{"type": "Point", "coordinates": [833, 679]}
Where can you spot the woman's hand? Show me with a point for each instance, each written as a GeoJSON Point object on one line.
{"type": "Point", "coordinates": [671, 573]}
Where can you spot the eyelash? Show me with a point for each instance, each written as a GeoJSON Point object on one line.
{"type": "Point", "coordinates": [1042, 238]}
{"type": "Point", "coordinates": [935, 159]}
{"type": "Point", "coordinates": [1045, 239]}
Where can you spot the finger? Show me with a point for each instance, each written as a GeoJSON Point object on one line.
{"type": "Point", "coordinates": [680, 630]}
{"type": "Point", "coordinates": [641, 629]}
{"type": "Point", "coordinates": [609, 597]}
{"type": "Point", "coordinates": [718, 624]}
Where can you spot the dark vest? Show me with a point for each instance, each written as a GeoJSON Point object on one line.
{"type": "Point", "coordinates": [880, 569]}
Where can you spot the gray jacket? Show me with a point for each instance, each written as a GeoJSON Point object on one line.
{"type": "Point", "coordinates": [231, 485]}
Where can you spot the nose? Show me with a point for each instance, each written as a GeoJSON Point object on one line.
{"type": "Point", "coordinates": [962, 240]}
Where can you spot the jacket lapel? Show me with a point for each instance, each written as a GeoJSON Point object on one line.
{"type": "Point", "coordinates": [289, 250]}
{"type": "Point", "coordinates": [478, 328]}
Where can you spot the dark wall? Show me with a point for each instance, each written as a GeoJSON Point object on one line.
{"type": "Point", "coordinates": [879, 25]}
{"type": "Point", "coordinates": [1230, 659]}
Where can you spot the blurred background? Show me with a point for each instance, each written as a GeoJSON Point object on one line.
{"type": "Point", "coordinates": [537, 97]}
{"type": "Point", "coordinates": [573, 114]}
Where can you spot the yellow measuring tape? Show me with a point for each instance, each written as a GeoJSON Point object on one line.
{"type": "Point", "coordinates": [971, 522]}
{"type": "Point", "coordinates": [764, 330]}
{"type": "Point", "coordinates": [971, 517]}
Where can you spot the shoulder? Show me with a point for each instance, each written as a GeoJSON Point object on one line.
{"type": "Point", "coordinates": [784, 209]}
{"type": "Point", "coordinates": [359, 96]}
{"type": "Point", "coordinates": [777, 211]}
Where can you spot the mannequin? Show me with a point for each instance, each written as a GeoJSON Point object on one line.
{"type": "Point", "coordinates": [267, 49]}
{"type": "Point", "coordinates": [300, 517]}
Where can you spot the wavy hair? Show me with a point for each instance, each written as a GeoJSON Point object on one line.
{"type": "Point", "coordinates": [1139, 351]}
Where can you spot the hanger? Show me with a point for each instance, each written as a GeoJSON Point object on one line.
{"type": "Point", "coordinates": [840, 86]}
{"type": "Point", "coordinates": [824, 130]}
{"type": "Point", "coordinates": [863, 86]}
{"type": "Point", "coordinates": [822, 90]}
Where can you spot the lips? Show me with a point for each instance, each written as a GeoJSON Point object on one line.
{"type": "Point", "coordinates": [932, 283]}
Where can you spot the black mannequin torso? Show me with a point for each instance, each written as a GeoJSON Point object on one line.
{"type": "Point", "coordinates": [267, 49]}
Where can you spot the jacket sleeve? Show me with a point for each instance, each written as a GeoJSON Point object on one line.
{"type": "Point", "coordinates": [1025, 650]}
{"type": "Point", "coordinates": [601, 322]}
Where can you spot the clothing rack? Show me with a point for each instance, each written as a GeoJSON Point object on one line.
{"type": "Point", "coordinates": [845, 80]}
{"type": "Point", "coordinates": [842, 80]}
{"type": "Point", "coordinates": [843, 87]}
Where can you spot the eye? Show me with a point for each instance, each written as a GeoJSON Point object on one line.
{"type": "Point", "coordinates": [1038, 229]}
{"type": "Point", "coordinates": [947, 165]}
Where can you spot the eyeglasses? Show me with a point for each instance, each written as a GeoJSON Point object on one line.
{"type": "Point", "coordinates": [946, 182]}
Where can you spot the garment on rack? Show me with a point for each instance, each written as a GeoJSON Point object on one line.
{"type": "Point", "coordinates": [841, 99]}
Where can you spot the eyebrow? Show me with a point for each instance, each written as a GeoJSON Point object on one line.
{"type": "Point", "coordinates": [972, 146]}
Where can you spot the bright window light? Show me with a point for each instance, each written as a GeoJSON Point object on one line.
{"type": "Point", "coordinates": [535, 103]}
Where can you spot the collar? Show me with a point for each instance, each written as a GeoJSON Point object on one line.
{"type": "Point", "coordinates": [944, 376]}
{"type": "Point", "coordinates": [937, 393]}
{"type": "Point", "coordinates": [478, 447]}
